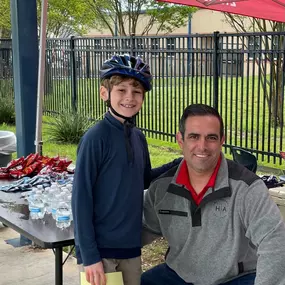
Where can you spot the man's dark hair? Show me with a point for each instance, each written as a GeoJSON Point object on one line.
{"type": "Point", "coordinates": [199, 110]}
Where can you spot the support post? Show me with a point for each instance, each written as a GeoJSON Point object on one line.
{"type": "Point", "coordinates": [25, 71]}
{"type": "Point", "coordinates": [216, 70]}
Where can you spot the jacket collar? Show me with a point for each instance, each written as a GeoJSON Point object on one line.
{"type": "Point", "coordinates": [221, 189]}
{"type": "Point", "coordinates": [113, 121]}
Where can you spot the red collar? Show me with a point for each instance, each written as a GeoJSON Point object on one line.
{"type": "Point", "coordinates": [183, 179]}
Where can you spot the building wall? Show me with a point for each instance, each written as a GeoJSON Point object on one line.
{"type": "Point", "coordinates": [207, 21]}
{"type": "Point", "coordinates": [202, 22]}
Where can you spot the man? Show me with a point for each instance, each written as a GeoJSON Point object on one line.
{"type": "Point", "coordinates": [218, 218]}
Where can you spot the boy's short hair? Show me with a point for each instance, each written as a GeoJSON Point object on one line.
{"type": "Point", "coordinates": [114, 80]}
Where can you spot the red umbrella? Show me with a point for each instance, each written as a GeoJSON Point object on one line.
{"type": "Point", "coordinates": [264, 9]}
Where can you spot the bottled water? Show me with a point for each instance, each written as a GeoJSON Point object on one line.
{"type": "Point", "coordinates": [53, 185]}
{"type": "Point", "coordinates": [40, 188]}
{"type": "Point", "coordinates": [69, 187]}
{"type": "Point", "coordinates": [57, 198]}
{"type": "Point", "coordinates": [36, 207]}
{"type": "Point", "coordinates": [50, 196]}
{"type": "Point", "coordinates": [32, 194]}
{"type": "Point", "coordinates": [63, 215]}
{"type": "Point", "coordinates": [65, 193]}
{"type": "Point", "coordinates": [68, 201]}
{"type": "Point", "coordinates": [39, 192]}
{"type": "Point", "coordinates": [55, 189]}
{"type": "Point", "coordinates": [45, 197]}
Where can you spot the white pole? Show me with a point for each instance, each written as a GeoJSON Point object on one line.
{"type": "Point", "coordinates": [41, 77]}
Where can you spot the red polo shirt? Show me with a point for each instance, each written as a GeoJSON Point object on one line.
{"type": "Point", "coordinates": [183, 179]}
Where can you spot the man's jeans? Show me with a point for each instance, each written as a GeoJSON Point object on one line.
{"type": "Point", "coordinates": [163, 275]}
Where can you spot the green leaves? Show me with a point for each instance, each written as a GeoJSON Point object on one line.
{"type": "Point", "coordinates": [7, 106]}
{"type": "Point", "coordinates": [5, 21]}
{"type": "Point", "coordinates": [68, 127]}
{"type": "Point", "coordinates": [169, 17]}
{"type": "Point", "coordinates": [130, 16]}
{"type": "Point", "coordinates": [124, 17]}
{"type": "Point", "coordinates": [67, 17]}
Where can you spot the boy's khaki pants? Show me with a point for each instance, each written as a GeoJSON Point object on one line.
{"type": "Point", "coordinates": [131, 269]}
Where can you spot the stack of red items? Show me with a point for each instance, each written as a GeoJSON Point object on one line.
{"type": "Point", "coordinates": [32, 165]}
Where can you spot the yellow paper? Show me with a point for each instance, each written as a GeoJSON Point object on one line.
{"type": "Point", "coordinates": [114, 278]}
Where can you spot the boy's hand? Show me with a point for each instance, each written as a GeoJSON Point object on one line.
{"type": "Point", "coordinates": [95, 274]}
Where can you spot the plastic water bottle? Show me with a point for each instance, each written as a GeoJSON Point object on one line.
{"type": "Point", "coordinates": [68, 201]}
{"type": "Point", "coordinates": [64, 193]}
{"type": "Point", "coordinates": [50, 195]}
{"type": "Point", "coordinates": [69, 187]}
{"type": "Point", "coordinates": [45, 198]}
{"type": "Point", "coordinates": [32, 194]}
{"type": "Point", "coordinates": [54, 203]}
{"type": "Point", "coordinates": [36, 207]}
{"type": "Point", "coordinates": [53, 185]}
{"type": "Point", "coordinates": [63, 215]}
{"type": "Point", "coordinates": [40, 188]}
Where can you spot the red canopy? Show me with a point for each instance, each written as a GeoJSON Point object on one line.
{"type": "Point", "coordinates": [264, 9]}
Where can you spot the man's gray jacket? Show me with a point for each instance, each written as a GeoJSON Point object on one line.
{"type": "Point", "coordinates": [236, 229]}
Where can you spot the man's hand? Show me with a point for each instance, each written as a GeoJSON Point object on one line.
{"type": "Point", "coordinates": [95, 274]}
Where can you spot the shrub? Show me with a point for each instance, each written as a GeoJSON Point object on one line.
{"type": "Point", "coordinates": [7, 106]}
{"type": "Point", "coordinates": [68, 127]}
{"type": "Point", "coordinates": [7, 111]}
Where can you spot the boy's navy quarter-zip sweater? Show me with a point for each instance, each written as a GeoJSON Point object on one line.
{"type": "Point", "coordinates": [108, 192]}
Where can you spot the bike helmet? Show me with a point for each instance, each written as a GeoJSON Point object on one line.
{"type": "Point", "coordinates": [129, 66]}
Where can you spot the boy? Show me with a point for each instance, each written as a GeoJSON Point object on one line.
{"type": "Point", "coordinates": [112, 170]}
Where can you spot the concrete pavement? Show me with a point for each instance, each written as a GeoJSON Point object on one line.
{"type": "Point", "coordinates": [31, 266]}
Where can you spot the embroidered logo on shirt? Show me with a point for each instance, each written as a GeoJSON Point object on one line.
{"type": "Point", "coordinates": [172, 212]}
{"type": "Point", "coordinates": [221, 208]}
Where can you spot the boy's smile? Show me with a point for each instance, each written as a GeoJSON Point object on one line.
{"type": "Point", "coordinates": [126, 98]}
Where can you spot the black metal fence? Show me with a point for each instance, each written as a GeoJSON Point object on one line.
{"type": "Point", "coordinates": [242, 75]}
{"type": "Point", "coordinates": [6, 69]}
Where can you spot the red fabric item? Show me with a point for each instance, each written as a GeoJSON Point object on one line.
{"type": "Point", "coordinates": [183, 179]}
{"type": "Point", "coordinates": [264, 9]}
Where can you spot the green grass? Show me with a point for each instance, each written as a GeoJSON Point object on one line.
{"type": "Point", "coordinates": [160, 151]}
{"type": "Point", "coordinates": [5, 127]}
{"type": "Point", "coordinates": [242, 105]}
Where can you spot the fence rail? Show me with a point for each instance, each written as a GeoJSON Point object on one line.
{"type": "Point", "coordinates": [242, 75]}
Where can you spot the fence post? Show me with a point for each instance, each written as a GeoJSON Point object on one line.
{"type": "Point", "coordinates": [190, 65]}
{"type": "Point", "coordinates": [73, 75]}
{"type": "Point", "coordinates": [48, 71]}
{"type": "Point", "coordinates": [216, 70]}
{"type": "Point", "coordinates": [88, 62]}
{"type": "Point", "coordinates": [133, 44]}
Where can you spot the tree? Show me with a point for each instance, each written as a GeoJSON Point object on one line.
{"type": "Point", "coordinates": [65, 17]}
{"type": "Point", "coordinates": [5, 21]}
{"type": "Point", "coordinates": [168, 17]}
{"type": "Point", "coordinates": [122, 17]}
{"type": "Point", "coordinates": [274, 90]}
